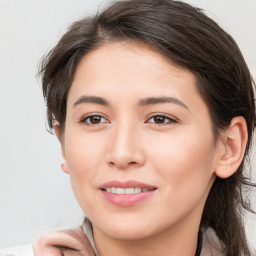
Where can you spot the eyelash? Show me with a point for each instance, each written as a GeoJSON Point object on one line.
{"type": "Point", "coordinates": [85, 119]}
{"type": "Point", "coordinates": [169, 119]}
{"type": "Point", "coordinates": [161, 117]}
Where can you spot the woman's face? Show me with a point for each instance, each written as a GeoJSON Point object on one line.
{"type": "Point", "coordinates": [138, 143]}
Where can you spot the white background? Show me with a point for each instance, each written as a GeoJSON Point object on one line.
{"type": "Point", "coordinates": [35, 195]}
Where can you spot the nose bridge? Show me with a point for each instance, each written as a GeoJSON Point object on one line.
{"type": "Point", "coordinates": [125, 149]}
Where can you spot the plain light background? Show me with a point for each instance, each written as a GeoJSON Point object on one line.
{"type": "Point", "coordinates": [35, 196]}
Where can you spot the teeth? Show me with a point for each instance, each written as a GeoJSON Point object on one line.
{"type": "Point", "coordinates": [137, 190]}
{"type": "Point", "coordinates": [119, 191]}
{"type": "Point", "coordinates": [130, 191]}
{"type": "Point", "coordinates": [125, 191]}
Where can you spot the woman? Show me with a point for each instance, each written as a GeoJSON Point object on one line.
{"type": "Point", "coordinates": [153, 105]}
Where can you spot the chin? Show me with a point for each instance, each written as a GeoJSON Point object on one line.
{"type": "Point", "coordinates": [129, 233]}
{"type": "Point", "coordinates": [128, 228]}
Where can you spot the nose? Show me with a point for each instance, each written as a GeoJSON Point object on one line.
{"type": "Point", "coordinates": [125, 147]}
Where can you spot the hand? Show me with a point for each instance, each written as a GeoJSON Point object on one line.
{"type": "Point", "coordinates": [71, 242]}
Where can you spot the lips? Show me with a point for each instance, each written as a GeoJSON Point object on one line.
{"type": "Point", "coordinates": [126, 193]}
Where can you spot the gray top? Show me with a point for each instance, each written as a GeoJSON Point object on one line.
{"type": "Point", "coordinates": [87, 228]}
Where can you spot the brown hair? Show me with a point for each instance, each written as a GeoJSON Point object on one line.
{"type": "Point", "coordinates": [191, 40]}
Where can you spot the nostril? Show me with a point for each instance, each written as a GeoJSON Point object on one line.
{"type": "Point", "coordinates": [132, 163]}
{"type": "Point", "coordinates": [123, 164]}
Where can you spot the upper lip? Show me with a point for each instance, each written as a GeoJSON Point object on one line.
{"type": "Point", "coordinates": [126, 184]}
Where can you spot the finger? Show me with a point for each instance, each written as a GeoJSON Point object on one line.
{"type": "Point", "coordinates": [69, 242]}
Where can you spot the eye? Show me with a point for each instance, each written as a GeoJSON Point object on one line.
{"type": "Point", "coordinates": [161, 119]}
{"type": "Point", "coordinates": [93, 120]}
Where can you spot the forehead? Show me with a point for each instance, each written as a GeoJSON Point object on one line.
{"type": "Point", "coordinates": [128, 62]}
{"type": "Point", "coordinates": [128, 50]}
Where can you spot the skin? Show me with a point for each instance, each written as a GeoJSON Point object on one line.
{"type": "Point", "coordinates": [70, 242]}
{"type": "Point", "coordinates": [178, 154]}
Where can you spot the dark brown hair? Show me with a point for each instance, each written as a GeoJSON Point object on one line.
{"type": "Point", "coordinates": [190, 39]}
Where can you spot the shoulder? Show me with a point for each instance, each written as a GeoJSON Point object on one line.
{"type": "Point", "coordinates": [23, 250]}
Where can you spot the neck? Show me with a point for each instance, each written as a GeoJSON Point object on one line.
{"type": "Point", "coordinates": [176, 241]}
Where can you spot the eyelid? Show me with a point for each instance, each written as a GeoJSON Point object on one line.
{"type": "Point", "coordinates": [82, 120]}
{"type": "Point", "coordinates": [171, 118]}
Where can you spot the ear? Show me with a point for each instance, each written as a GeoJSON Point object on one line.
{"type": "Point", "coordinates": [64, 165]}
{"type": "Point", "coordinates": [234, 142]}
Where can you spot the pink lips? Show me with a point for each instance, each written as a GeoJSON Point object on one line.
{"type": "Point", "coordinates": [126, 200]}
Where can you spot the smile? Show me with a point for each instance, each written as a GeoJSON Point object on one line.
{"type": "Point", "coordinates": [125, 191]}
{"type": "Point", "coordinates": [126, 194]}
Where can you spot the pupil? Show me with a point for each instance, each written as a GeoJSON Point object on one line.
{"type": "Point", "coordinates": [95, 119]}
{"type": "Point", "coordinates": [159, 119]}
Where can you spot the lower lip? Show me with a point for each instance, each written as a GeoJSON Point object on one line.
{"type": "Point", "coordinates": [127, 200]}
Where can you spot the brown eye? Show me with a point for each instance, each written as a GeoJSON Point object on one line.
{"type": "Point", "coordinates": [93, 119]}
{"type": "Point", "coordinates": [161, 119]}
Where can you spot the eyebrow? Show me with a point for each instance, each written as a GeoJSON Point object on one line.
{"type": "Point", "coordinates": [142, 102]}
{"type": "Point", "coordinates": [91, 99]}
{"type": "Point", "coordinates": [156, 100]}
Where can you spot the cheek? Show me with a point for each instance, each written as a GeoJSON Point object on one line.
{"type": "Point", "coordinates": [185, 163]}
{"type": "Point", "coordinates": [84, 157]}
{"type": "Point", "coordinates": [83, 152]}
